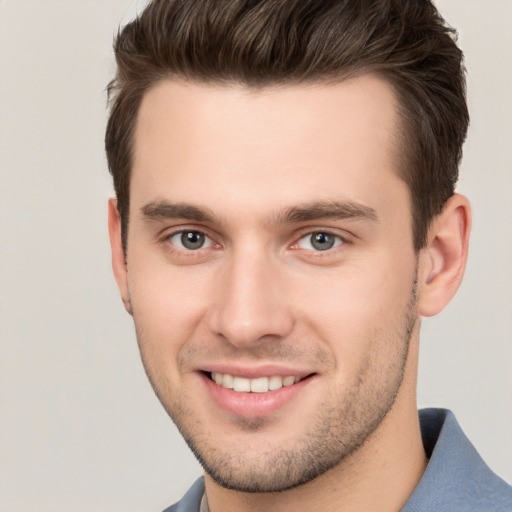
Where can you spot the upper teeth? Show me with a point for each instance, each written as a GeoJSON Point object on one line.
{"type": "Point", "coordinates": [259, 385]}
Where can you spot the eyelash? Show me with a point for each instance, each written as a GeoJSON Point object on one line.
{"type": "Point", "coordinates": [174, 245]}
{"type": "Point", "coordinates": [337, 241]}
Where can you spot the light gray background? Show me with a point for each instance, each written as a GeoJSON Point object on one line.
{"type": "Point", "coordinates": [79, 426]}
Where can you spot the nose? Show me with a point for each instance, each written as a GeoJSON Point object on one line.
{"type": "Point", "coordinates": [250, 304]}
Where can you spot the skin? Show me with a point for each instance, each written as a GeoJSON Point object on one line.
{"type": "Point", "coordinates": [257, 172]}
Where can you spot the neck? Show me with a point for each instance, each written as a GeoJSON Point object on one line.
{"type": "Point", "coordinates": [379, 476]}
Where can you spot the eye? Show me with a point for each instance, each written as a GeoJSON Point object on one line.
{"type": "Point", "coordinates": [190, 240]}
{"type": "Point", "coordinates": [319, 241]}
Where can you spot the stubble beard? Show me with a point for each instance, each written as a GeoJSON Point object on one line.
{"type": "Point", "coordinates": [341, 427]}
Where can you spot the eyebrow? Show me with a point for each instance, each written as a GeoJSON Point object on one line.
{"type": "Point", "coordinates": [325, 210]}
{"type": "Point", "coordinates": [164, 210]}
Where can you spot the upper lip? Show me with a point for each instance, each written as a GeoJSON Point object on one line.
{"type": "Point", "coordinates": [254, 372]}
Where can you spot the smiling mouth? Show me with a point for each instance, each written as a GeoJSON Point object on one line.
{"type": "Point", "coordinates": [258, 385]}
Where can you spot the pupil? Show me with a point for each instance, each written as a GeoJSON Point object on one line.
{"type": "Point", "coordinates": [322, 241]}
{"type": "Point", "coordinates": [192, 239]}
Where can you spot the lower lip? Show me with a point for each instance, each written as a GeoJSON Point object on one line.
{"type": "Point", "coordinates": [254, 405]}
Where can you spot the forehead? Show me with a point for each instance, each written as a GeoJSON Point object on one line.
{"type": "Point", "coordinates": [279, 145]}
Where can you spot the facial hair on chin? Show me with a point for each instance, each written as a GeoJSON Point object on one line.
{"type": "Point", "coordinates": [343, 422]}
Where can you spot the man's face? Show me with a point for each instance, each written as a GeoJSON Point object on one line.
{"type": "Point", "coordinates": [270, 245]}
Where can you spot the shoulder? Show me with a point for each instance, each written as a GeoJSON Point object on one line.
{"type": "Point", "coordinates": [191, 502]}
{"type": "Point", "coordinates": [456, 478]}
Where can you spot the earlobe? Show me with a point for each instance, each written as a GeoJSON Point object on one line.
{"type": "Point", "coordinates": [443, 259]}
{"type": "Point", "coordinates": [118, 256]}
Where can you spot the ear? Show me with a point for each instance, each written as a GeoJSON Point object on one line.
{"type": "Point", "coordinates": [443, 259]}
{"type": "Point", "coordinates": [118, 256]}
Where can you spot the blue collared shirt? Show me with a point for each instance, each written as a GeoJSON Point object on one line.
{"type": "Point", "coordinates": [456, 478]}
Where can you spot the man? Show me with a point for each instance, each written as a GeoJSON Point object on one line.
{"type": "Point", "coordinates": [285, 215]}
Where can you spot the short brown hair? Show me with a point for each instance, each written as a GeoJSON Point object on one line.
{"type": "Point", "coordinates": [265, 42]}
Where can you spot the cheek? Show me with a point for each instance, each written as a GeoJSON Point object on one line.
{"type": "Point", "coordinates": [355, 311]}
{"type": "Point", "coordinates": [168, 305]}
